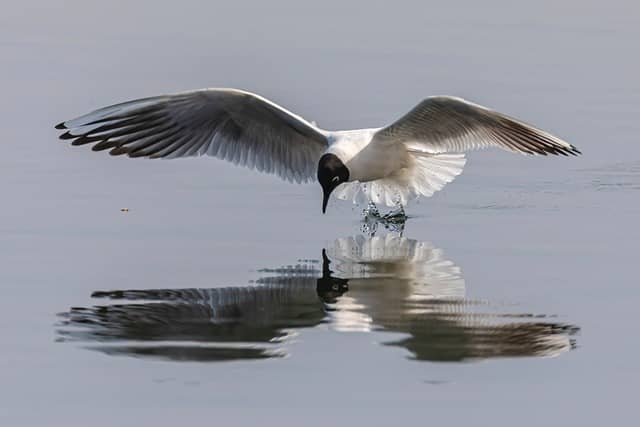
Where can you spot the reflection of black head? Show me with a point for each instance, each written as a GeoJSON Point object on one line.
{"type": "Point", "coordinates": [331, 173]}
{"type": "Point", "coordinates": [330, 288]}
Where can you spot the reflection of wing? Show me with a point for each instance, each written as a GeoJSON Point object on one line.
{"type": "Point", "coordinates": [401, 285]}
{"type": "Point", "coordinates": [198, 324]}
{"type": "Point", "coordinates": [189, 353]}
{"type": "Point", "coordinates": [446, 337]}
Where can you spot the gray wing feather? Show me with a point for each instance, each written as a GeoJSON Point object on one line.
{"type": "Point", "coordinates": [443, 124]}
{"type": "Point", "coordinates": [229, 124]}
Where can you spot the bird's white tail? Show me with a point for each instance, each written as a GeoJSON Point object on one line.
{"type": "Point", "coordinates": [427, 174]}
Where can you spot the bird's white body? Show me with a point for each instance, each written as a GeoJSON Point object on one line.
{"type": "Point", "coordinates": [366, 161]}
{"type": "Point", "coordinates": [388, 173]}
{"type": "Point", "coordinates": [414, 156]}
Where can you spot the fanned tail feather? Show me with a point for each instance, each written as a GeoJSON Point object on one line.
{"type": "Point", "coordinates": [428, 173]}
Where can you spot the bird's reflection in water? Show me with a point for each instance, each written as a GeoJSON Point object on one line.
{"type": "Point", "coordinates": [385, 283]}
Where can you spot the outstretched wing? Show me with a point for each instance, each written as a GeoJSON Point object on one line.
{"type": "Point", "coordinates": [229, 124]}
{"type": "Point", "coordinates": [444, 124]}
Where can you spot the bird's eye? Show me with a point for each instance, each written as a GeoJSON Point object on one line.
{"type": "Point", "coordinates": [335, 179]}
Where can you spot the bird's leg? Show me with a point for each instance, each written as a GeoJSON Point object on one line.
{"type": "Point", "coordinates": [394, 220]}
{"type": "Point", "coordinates": [397, 212]}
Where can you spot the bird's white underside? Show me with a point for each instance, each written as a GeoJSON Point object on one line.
{"type": "Point", "coordinates": [419, 263]}
{"type": "Point", "coordinates": [415, 156]}
{"type": "Point", "coordinates": [425, 176]}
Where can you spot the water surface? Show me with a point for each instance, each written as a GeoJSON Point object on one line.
{"type": "Point", "coordinates": [510, 297]}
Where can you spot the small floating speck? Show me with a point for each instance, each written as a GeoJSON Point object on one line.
{"type": "Point", "coordinates": [124, 210]}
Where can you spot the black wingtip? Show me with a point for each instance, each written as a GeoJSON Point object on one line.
{"type": "Point", "coordinates": [61, 126]}
{"type": "Point", "coordinates": [67, 135]}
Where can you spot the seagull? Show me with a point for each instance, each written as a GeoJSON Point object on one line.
{"type": "Point", "coordinates": [414, 156]}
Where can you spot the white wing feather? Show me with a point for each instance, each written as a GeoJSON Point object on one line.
{"type": "Point", "coordinates": [229, 124]}
{"type": "Point", "coordinates": [444, 124]}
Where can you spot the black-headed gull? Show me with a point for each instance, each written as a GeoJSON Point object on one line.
{"type": "Point", "coordinates": [414, 156]}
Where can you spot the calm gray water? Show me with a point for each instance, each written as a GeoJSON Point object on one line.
{"type": "Point", "coordinates": [510, 299]}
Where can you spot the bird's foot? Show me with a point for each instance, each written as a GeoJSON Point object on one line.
{"type": "Point", "coordinates": [393, 220]}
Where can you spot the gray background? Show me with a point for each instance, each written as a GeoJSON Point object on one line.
{"type": "Point", "coordinates": [555, 236]}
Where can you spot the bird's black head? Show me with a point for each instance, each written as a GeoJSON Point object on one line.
{"type": "Point", "coordinates": [330, 288]}
{"type": "Point", "coordinates": [331, 173]}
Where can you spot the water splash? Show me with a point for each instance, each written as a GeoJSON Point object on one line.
{"type": "Point", "coordinates": [393, 221]}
